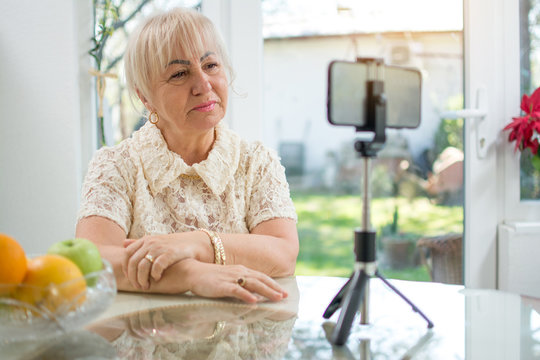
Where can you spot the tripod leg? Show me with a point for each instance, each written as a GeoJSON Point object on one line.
{"type": "Point", "coordinates": [415, 309]}
{"type": "Point", "coordinates": [336, 301]}
{"type": "Point", "coordinates": [349, 307]}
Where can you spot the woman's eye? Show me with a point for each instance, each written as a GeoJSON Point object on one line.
{"type": "Point", "coordinates": [179, 74]}
{"type": "Point", "coordinates": [211, 66]}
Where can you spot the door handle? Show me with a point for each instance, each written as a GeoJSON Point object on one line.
{"type": "Point", "coordinates": [478, 114]}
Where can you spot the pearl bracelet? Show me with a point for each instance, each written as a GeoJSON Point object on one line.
{"type": "Point", "coordinates": [219, 250]}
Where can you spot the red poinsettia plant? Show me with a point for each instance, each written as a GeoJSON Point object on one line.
{"type": "Point", "coordinates": [525, 130]}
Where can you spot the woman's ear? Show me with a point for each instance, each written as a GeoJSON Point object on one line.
{"type": "Point", "coordinates": [143, 99]}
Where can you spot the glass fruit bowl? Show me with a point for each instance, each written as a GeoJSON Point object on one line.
{"type": "Point", "coordinates": [54, 314]}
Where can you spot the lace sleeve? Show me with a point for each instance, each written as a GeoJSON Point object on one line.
{"type": "Point", "coordinates": [107, 187]}
{"type": "Point", "coordinates": [270, 197]}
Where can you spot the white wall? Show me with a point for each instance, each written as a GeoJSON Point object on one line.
{"type": "Point", "coordinates": [44, 64]}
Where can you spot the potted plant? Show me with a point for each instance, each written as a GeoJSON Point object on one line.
{"type": "Point", "coordinates": [398, 247]}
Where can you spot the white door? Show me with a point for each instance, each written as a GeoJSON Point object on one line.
{"type": "Point", "coordinates": [501, 226]}
{"type": "Point", "coordinates": [483, 70]}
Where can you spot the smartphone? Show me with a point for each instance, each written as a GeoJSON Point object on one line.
{"type": "Point", "coordinates": [347, 94]}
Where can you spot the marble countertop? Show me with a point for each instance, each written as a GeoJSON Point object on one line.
{"type": "Point", "coordinates": [469, 324]}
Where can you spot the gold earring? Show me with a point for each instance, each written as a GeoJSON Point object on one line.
{"type": "Point", "coordinates": [153, 117]}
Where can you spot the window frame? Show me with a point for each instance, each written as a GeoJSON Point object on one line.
{"type": "Point", "coordinates": [515, 209]}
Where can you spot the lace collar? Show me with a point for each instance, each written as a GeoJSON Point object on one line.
{"type": "Point", "coordinates": [162, 166]}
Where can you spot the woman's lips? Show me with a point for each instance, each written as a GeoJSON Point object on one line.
{"type": "Point", "coordinates": [205, 107]}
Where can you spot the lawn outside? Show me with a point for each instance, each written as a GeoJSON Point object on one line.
{"type": "Point", "coordinates": [326, 224]}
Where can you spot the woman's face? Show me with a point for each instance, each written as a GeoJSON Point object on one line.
{"type": "Point", "coordinates": [191, 93]}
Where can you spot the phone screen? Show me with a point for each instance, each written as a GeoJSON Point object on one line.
{"type": "Point", "coordinates": [347, 94]}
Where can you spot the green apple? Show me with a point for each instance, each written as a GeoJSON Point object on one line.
{"type": "Point", "coordinates": [82, 252]}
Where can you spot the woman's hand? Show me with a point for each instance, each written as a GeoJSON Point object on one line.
{"type": "Point", "coordinates": [238, 281]}
{"type": "Point", "coordinates": [150, 256]}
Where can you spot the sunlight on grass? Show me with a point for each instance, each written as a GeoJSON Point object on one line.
{"type": "Point", "coordinates": [326, 226]}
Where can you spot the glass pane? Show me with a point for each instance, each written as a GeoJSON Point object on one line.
{"type": "Point", "coordinates": [417, 179]}
{"type": "Point", "coordinates": [530, 80]}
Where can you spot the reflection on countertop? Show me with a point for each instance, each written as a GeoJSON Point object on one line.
{"type": "Point", "coordinates": [200, 331]}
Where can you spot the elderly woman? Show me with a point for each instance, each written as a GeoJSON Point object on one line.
{"type": "Point", "coordinates": [185, 204]}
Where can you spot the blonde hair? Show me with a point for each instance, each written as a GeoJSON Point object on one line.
{"type": "Point", "coordinates": [154, 43]}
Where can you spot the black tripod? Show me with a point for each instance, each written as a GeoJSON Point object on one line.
{"type": "Point", "coordinates": [355, 292]}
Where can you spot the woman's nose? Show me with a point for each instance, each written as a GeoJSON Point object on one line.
{"type": "Point", "coordinates": [201, 83]}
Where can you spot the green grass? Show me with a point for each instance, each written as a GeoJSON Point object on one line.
{"type": "Point", "coordinates": [419, 273]}
{"type": "Point", "coordinates": [326, 225]}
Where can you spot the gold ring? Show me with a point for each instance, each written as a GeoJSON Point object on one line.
{"type": "Point", "coordinates": [241, 281]}
{"type": "Point", "coordinates": [149, 258]}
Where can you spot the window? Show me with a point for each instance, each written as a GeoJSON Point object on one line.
{"type": "Point", "coordinates": [417, 179]}
{"type": "Point", "coordinates": [529, 80]}
{"type": "Point", "coordinates": [521, 52]}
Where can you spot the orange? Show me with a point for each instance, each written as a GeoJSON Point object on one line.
{"type": "Point", "coordinates": [53, 282]}
{"type": "Point", "coordinates": [12, 263]}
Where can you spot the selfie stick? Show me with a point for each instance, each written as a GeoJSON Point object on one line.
{"type": "Point", "coordinates": [355, 292]}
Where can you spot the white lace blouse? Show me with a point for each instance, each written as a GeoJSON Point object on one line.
{"type": "Point", "coordinates": [147, 189]}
